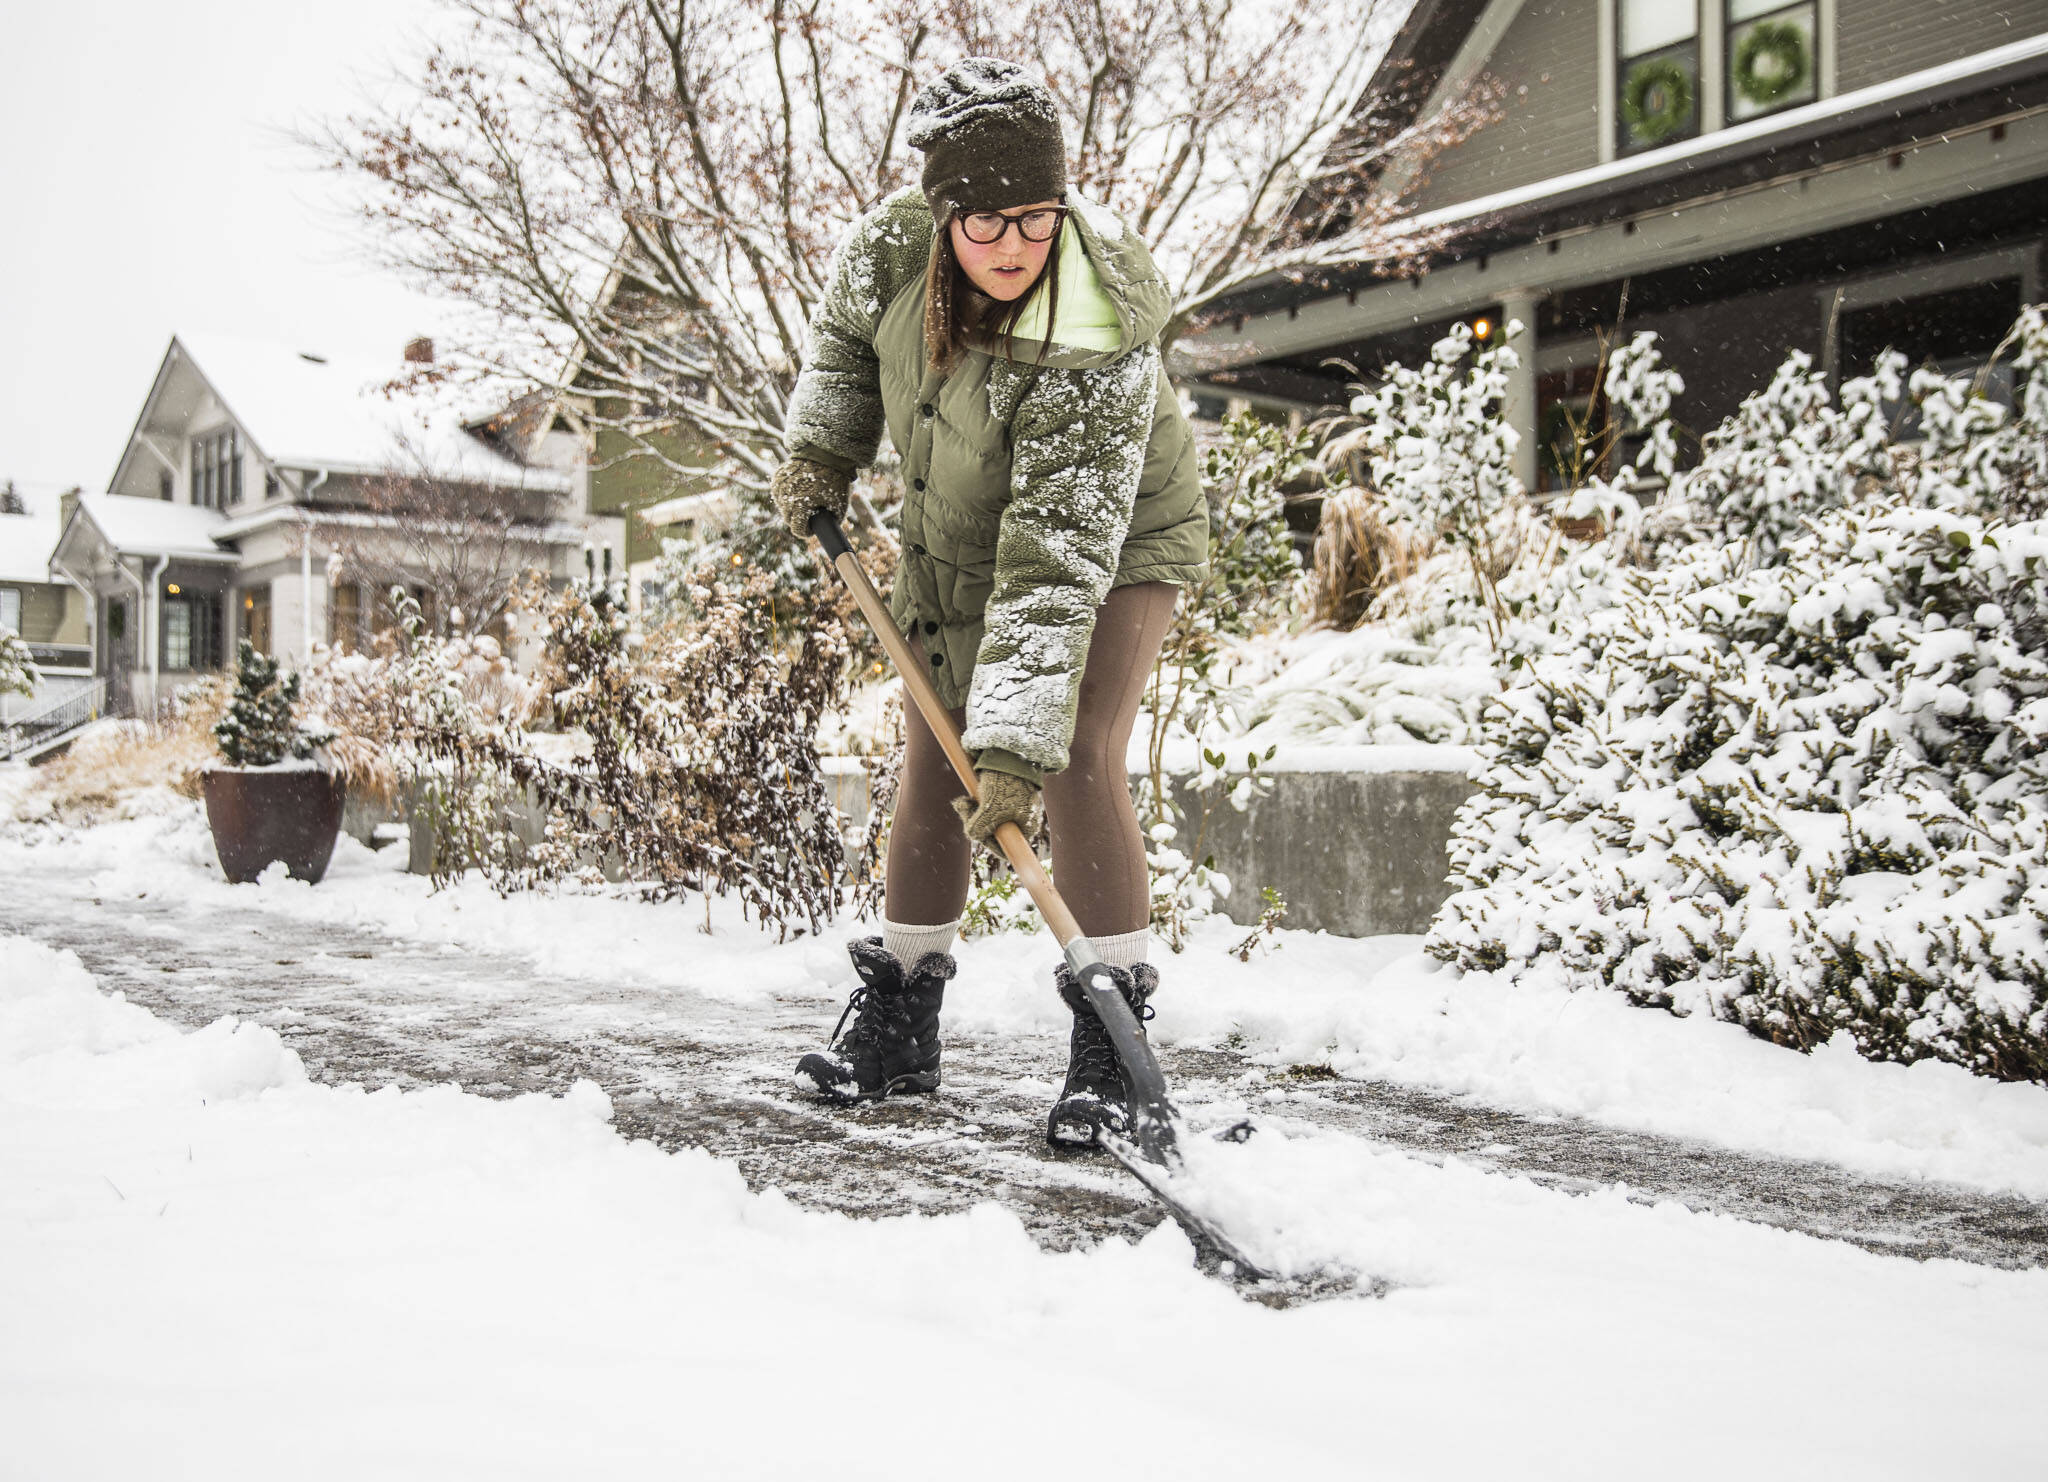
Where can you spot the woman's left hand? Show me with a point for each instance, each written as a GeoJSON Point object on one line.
{"type": "Point", "coordinates": [1005, 798]}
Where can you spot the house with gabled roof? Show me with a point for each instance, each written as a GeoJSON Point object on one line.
{"type": "Point", "coordinates": [246, 477]}
{"type": "Point", "coordinates": [1745, 177]}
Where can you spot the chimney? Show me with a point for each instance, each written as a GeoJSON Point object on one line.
{"type": "Point", "coordinates": [419, 350]}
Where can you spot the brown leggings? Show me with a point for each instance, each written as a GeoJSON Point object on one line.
{"type": "Point", "coordinates": [1098, 852]}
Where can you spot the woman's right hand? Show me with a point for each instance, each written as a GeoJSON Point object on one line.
{"type": "Point", "coordinates": [802, 487]}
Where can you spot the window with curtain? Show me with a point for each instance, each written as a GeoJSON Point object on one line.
{"type": "Point", "coordinates": [10, 608]}
{"type": "Point", "coordinates": [1657, 73]}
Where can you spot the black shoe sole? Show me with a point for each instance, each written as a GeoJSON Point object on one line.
{"type": "Point", "coordinates": [1074, 1135]}
{"type": "Point", "coordinates": [914, 1083]}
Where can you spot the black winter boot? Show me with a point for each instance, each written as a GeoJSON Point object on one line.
{"type": "Point", "coordinates": [894, 1042]}
{"type": "Point", "coordinates": [1095, 1099]}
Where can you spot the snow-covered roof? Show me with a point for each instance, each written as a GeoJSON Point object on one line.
{"type": "Point", "coordinates": [26, 540]}
{"type": "Point", "coordinates": [308, 410]}
{"type": "Point", "coordinates": [155, 527]}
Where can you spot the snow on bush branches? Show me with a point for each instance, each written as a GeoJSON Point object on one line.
{"type": "Point", "coordinates": [17, 668]}
{"type": "Point", "coordinates": [698, 774]}
{"type": "Point", "coordinates": [1797, 776]}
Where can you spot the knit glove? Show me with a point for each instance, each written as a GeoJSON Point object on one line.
{"type": "Point", "coordinates": [1004, 799]}
{"type": "Point", "coordinates": [801, 488]}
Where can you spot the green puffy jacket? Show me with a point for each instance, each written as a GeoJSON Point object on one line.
{"type": "Point", "coordinates": [1029, 490]}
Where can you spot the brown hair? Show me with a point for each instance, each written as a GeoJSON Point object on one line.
{"type": "Point", "coordinates": [954, 308]}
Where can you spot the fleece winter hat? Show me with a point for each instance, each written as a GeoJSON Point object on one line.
{"type": "Point", "coordinates": [991, 138]}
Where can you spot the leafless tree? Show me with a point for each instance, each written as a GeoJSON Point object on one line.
{"type": "Point", "coordinates": [468, 545]}
{"type": "Point", "coordinates": [639, 198]}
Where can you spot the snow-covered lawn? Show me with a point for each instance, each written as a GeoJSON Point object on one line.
{"type": "Point", "coordinates": [211, 1266]}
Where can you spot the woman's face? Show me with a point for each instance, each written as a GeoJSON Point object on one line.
{"type": "Point", "coordinates": [1005, 268]}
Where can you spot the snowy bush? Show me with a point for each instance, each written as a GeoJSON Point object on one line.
{"type": "Point", "coordinates": [17, 669]}
{"type": "Point", "coordinates": [697, 770]}
{"type": "Point", "coordinates": [1439, 455]}
{"type": "Point", "coordinates": [1796, 778]}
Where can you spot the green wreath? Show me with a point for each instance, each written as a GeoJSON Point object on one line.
{"type": "Point", "coordinates": [1657, 100]}
{"type": "Point", "coordinates": [1771, 61]}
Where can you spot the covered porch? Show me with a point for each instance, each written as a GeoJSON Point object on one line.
{"type": "Point", "coordinates": [157, 586]}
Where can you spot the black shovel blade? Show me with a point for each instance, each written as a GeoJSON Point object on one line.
{"type": "Point", "coordinates": [1158, 1181]}
{"type": "Point", "coordinates": [1152, 1154]}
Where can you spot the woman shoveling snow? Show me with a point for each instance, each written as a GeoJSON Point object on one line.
{"type": "Point", "coordinates": [1006, 336]}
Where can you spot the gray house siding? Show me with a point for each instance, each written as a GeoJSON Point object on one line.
{"type": "Point", "coordinates": [1883, 39]}
{"type": "Point", "coordinates": [1552, 48]}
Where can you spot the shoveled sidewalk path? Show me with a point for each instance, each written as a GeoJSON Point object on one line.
{"type": "Point", "coordinates": [687, 1070]}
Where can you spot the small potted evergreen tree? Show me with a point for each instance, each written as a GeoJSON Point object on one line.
{"type": "Point", "coordinates": [272, 800]}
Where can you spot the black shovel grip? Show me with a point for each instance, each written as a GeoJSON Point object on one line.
{"type": "Point", "coordinates": [825, 526]}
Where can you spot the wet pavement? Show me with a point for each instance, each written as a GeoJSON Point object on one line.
{"type": "Point", "coordinates": [685, 1070]}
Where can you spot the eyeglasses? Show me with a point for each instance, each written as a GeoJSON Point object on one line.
{"type": "Point", "coordinates": [985, 228]}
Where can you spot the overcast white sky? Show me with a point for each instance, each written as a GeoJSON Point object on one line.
{"type": "Point", "coordinates": [144, 189]}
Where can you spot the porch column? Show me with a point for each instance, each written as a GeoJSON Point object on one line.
{"type": "Point", "coordinates": [1520, 407]}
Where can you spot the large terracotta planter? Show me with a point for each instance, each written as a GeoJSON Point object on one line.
{"type": "Point", "coordinates": [260, 816]}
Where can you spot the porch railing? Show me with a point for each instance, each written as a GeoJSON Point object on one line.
{"type": "Point", "coordinates": [39, 727]}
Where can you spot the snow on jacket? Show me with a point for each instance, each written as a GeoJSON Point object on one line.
{"type": "Point", "coordinates": [1029, 490]}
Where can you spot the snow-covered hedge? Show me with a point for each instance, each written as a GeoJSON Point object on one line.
{"type": "Point", "coordinates": [1798, 780]}
{"type": "Point", "coordinates": [17, 669]}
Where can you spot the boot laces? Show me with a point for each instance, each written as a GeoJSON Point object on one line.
{"type": "Point", "coordinates": [1095, 1057]}
{"type": "Point", "coordinates": [877, 1017]}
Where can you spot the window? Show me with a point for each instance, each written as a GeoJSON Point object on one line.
{"type": "Point", "coordinates": [177, 634]}
{"type": "Point", "coordinates": [1657, 73]}
{"type": "Point", "coordinates": [191, 633]}
{"type": "Point", "coordinates": [217, 469]}
{"type": "Point", "coordinates": [10, 609]}
{"type": "Point", "coordinates": [166, 486]}
{"type": "Point", "coordinates": [1771, 59]}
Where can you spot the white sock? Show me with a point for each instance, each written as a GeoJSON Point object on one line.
{"type": "Point", "coordinates": [1127, 950]}
{"type": "Point", "coordinates": [910, 943]}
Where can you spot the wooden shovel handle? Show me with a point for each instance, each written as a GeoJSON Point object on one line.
{"type": "Point", "coordinates": [1016, 848]}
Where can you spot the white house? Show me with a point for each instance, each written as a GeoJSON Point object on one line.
{"type": "Point", "coordinates": [245, 477]}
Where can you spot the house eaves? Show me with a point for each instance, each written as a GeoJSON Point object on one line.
{"type": "Point", "coordinates": [130, 526]}
{"type": "Point", "coordinates": [553, 532]}
{"type": "Point", "coordinates": [1992, 86]}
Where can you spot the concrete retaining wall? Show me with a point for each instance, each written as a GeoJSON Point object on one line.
{"type": "Point", "coordinates": [1352, 837]}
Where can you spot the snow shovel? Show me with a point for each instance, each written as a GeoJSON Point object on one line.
{"type": "Point", "coordinates": [1152, 1155]}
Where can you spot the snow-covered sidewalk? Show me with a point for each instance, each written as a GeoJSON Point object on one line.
{"type": "Point", "coordinates": [214, 1265]}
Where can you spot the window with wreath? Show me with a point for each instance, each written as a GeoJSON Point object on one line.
{"type": "Point", "coordinates": [1657, 73]}
{"type": "Point", "coordinates": [1772, 59]}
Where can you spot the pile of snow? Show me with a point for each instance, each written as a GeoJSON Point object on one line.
{"type": "Point", "coordinates": [205, 1259]}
